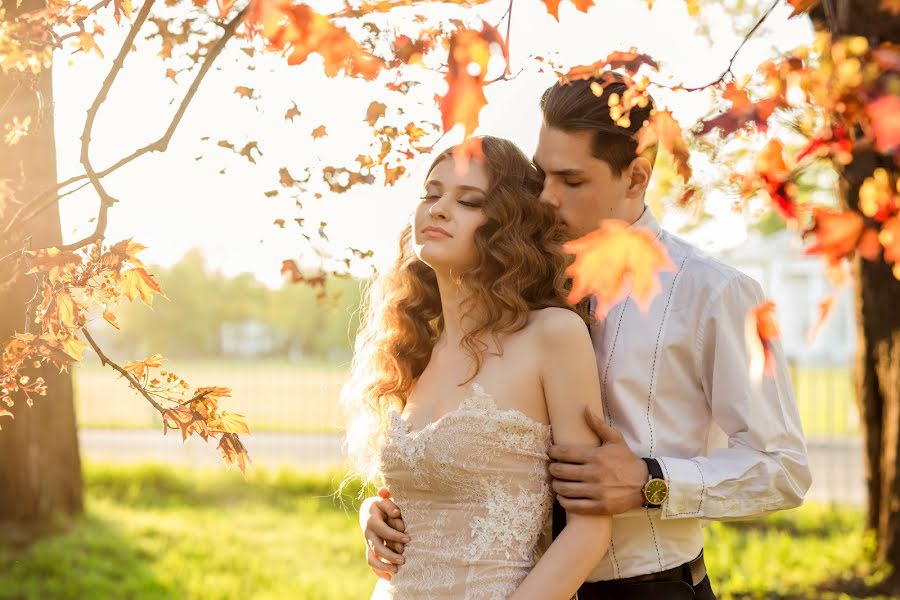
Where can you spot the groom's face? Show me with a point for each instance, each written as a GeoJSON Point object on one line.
{"type": "Point", "coordinates": [581, 187]}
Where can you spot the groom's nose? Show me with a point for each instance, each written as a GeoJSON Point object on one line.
{"type": "Point", "coordinates": [549, 197]}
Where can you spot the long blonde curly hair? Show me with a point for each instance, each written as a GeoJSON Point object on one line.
{"type": "Point", "coordinates": [520, 267]}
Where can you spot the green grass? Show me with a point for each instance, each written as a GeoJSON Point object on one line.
{"type": "Point", "coordinates": [278, 395]}
{"type": "Point", "coordinates": [154, 532]}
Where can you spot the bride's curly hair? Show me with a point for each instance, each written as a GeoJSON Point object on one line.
{"type": "Point", "coordinates": [520, 267]}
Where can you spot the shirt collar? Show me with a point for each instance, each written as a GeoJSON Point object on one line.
{"type": "Point", "coordinates": [648, 221]}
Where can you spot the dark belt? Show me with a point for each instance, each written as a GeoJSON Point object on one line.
{"type": "Point", "coordinates": [692, 573]}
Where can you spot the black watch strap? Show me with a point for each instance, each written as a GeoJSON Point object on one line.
{"type": "Point", "coordinates": [654, 468]}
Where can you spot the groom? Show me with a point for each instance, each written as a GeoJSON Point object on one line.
{"type": "Point", "coordinates": [673, 379]}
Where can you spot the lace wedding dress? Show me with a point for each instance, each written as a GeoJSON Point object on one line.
{"type": "Point", "coordinates": [474, 491]}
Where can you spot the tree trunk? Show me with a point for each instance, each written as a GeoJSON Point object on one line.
{"type": "Point", "coordinates": [877, 369]}
{"type": "Point", "coordinates": [40, 467]}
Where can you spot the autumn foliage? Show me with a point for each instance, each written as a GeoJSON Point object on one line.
{"type": "Point", "coordinates": [841, 93]}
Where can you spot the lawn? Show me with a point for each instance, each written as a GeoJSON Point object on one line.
{"type": "Point", "coordinates": [152, 532]}
{"type": "Point", "coordinates": [284, 396]}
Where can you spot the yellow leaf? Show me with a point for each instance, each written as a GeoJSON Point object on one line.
{"type": "Point", "coordinates": [232, 423]}
{"type": "Point", "coordinates": [138, 282]}
{"type": "Point", "coordinates": [74, 347]}
{"type": "Point", "coordinates": [111, 319]}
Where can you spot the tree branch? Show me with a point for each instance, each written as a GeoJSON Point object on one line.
{"type": "Point", "coordinates": [734, 56]}
{"type": "Point", "coordinates": [49, 196]}
{"type": "Point", "coordinates": [104, 360]}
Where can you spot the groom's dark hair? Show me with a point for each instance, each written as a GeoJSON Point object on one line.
{"type": "Point", "coordinates": [573, 106]}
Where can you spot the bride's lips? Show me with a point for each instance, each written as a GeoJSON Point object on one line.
{"type": "Point", "coordinates": [436, 232]}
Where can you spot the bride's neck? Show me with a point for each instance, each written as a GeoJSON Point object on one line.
{"type": "Point", "coordinates": [457, 314]}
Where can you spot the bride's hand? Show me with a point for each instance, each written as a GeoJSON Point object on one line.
{"type": "Point", "coordinates": [383, 529]}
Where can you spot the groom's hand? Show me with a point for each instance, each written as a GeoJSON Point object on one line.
{"type": "Point", "coordinates": [383, 529]}
{"type": "Point", "coordinates": [598, 480]}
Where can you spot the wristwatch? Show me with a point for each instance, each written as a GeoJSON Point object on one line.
{"type": "Point", "coordinates": [656, 490]}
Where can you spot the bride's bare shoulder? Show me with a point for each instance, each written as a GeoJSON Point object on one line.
{"type": "Point", "coordinates": [553, 323]}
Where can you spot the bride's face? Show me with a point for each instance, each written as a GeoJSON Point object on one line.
{"type": "Point", "coordinates": [450, 212]}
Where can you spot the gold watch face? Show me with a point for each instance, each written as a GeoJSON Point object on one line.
{"type": "Point", "coordinates": [656, 491]}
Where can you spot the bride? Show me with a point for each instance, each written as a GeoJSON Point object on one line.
{"type": "Point", "coordinates": [469, 361]}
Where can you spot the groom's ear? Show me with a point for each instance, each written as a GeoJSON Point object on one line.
{"type": "Point", "coordinates": [639, 172]}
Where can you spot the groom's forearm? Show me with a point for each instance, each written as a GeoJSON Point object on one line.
{"type": "Point", "coordinates": [569, 560]}
{"type": "Point", "coordinates": [735, 483]}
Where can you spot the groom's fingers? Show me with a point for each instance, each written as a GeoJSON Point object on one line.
{"type": "Point", "coordinates": [579, 454]}
{"type": "Point", "coordinates": [385, 532]}
{"type": "Point", "coordinates": [572, 489]}
{"type": "Point", "coordinates": [383, 552]}
{"type": "Point", "coordinates": [580, 505]}
{"type": "Point", "coordinates": [568, 472]}
{"type": "Point", "coordinates": [379, 567]}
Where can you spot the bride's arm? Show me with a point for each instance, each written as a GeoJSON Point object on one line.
{"type": "Point", "coordinates": [571, 383]}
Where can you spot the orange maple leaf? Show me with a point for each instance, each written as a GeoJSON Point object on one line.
{"type": "Point", "coordinates": [234, 451]}
{"type": "Point", "coordinates": [139, 367]}
{"type": "Point", "coordinates": [319, 132]}
{"type": "Point", "coordinates": [664, 130]}
{"type": "Point", "coordinates": [837, 233]}
{"type": "Point", "coordinates": [761, 331]}
{"type": "Point", "coordinates": [375, 112]}
{"type": "Point", "coordinates": [293, 111]}
{"type": "Point", "coordinates": [470, 52]}
{"type": "Point", "coordinates": [243, 91]}
{"type": "Point", "coordinates": [614, 262]}
{"type": "Point", "coordinates": [553, 6]}
{"type": "Point", "coordinates": [138, 282]}
{"type": "Point", "coordinates": [802, 6]}
{"type": "Point", "coordinates": [826, 307]}
{"type": "Point", "coordinates": [884, 119]}
{"type": "Point", "coordinates": [300, 31]}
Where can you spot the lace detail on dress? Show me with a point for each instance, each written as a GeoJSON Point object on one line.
{"type": "Point", "coordinates": [474, 490]}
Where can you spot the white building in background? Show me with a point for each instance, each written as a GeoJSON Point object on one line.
{"type": "Point", "coordinates": [246, 338]}
{"type": "Point", "coordinates": [797, 284]}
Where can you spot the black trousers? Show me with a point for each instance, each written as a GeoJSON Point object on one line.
{"type": "Point", "coordinates": [655, 590]}
{"type": "Point", "coordinates": [645, 590]}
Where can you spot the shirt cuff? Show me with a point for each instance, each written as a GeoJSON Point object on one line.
{"type": "Point", "coordinates": [686, 488]}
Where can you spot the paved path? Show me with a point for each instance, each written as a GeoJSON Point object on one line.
{"type": "Point", "coordinates": [837, 465]}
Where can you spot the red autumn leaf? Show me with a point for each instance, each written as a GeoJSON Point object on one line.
{"type": "Point", "coordinates": [470, 52]}
{"type": "Point", "coordinates": [319, 132]}
{"type": "Point", "coordinates": [300, 31]}
{"type": "Point", "coordinates": [773, 173]}
{"type": "Point", "coordinates": [831, 143]}
{"type": "Point", "coordinates": [760, 334]}
{"type": "Point", "coordinates": [630, 61]}
{"type": "Point", "coordinates": [742, 111]}
{"type": "Point", "coordinates": [837, 233]}
{"type": "Point", "coordinates": [802, 6]}
{"type": "Point", "coordinates": [409, 51]}
{"type": "Point", "coordinates": [615, 262]}
{"type": "Point", "coordinates": [553, 6]}
{"type": "Point", "coordinates": [664, 130]}
{"type": "Point", "coordinates": [826, 307]}
{"type": "Point", "coordinates": [884, 119]}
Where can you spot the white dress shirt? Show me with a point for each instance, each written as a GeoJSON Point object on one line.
{"type": "Point", "coordinates": [674, 379]}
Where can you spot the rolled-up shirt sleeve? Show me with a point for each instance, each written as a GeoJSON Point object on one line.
{"type": "Point", "coordinates": [765, 466]}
